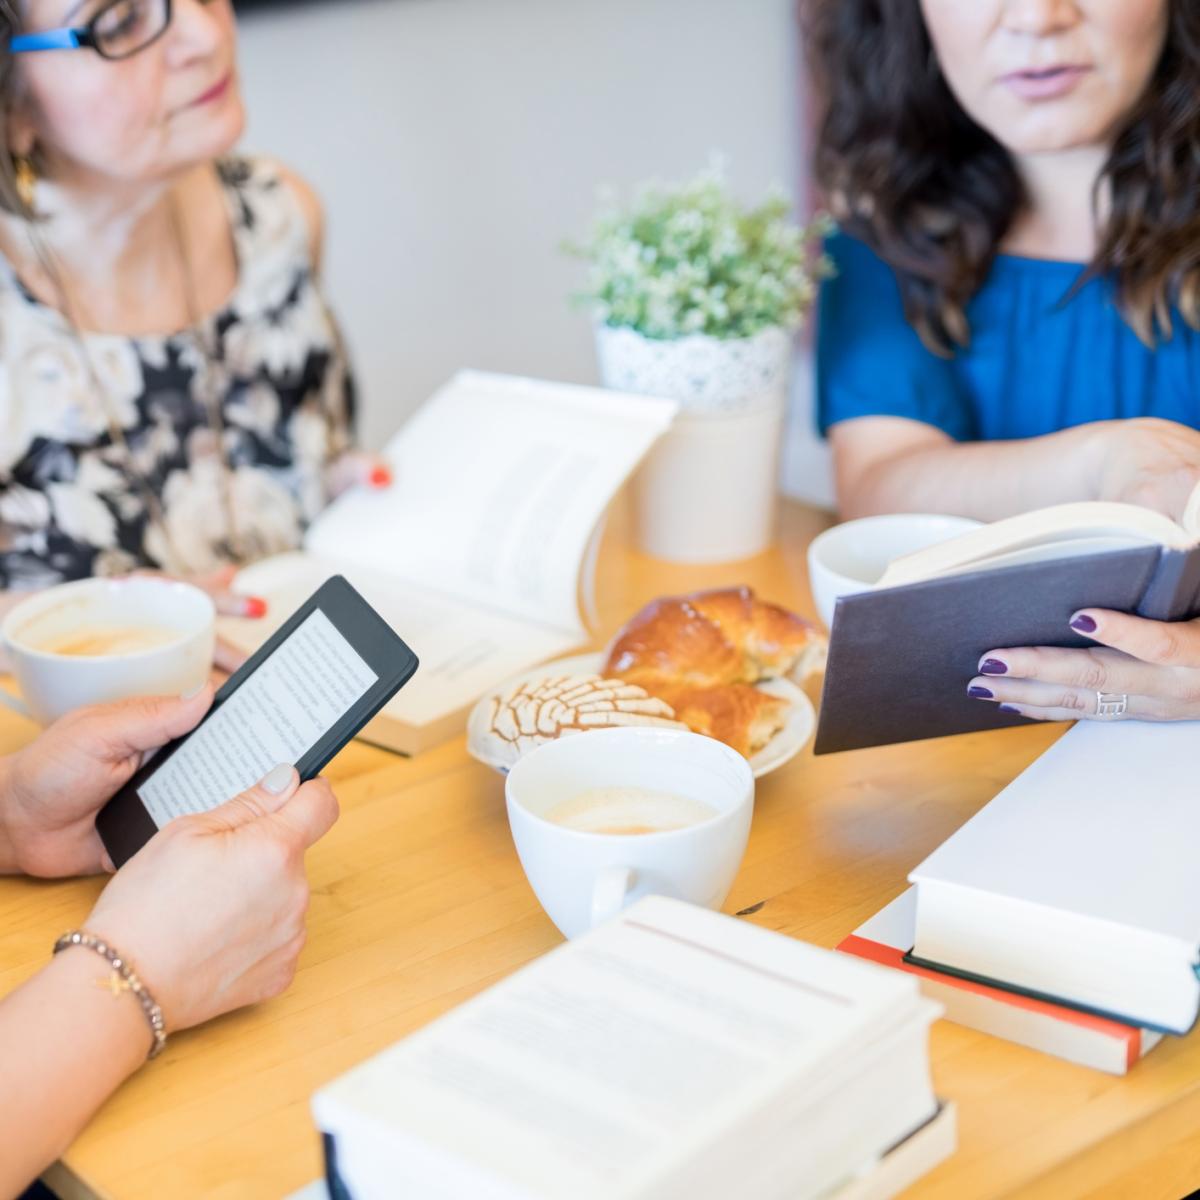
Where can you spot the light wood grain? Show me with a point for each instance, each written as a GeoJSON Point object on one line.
{"type": "Point", "coordinates": [419, 902]}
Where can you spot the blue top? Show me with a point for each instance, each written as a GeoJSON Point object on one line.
{"type": "Point", "coordinates": [1036, 363]}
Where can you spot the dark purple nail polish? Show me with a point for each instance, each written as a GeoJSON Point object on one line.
{"type": "Point", "coordinates": [1008, 708]}
{"type": "Point", "coordinates": [980, 693]}
{"type": "Point", "coordinates": [993, 666]}
{"type": "Point", "coordinates": [1083, 623]}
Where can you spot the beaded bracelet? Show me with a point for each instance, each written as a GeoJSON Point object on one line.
{"type": "Point", "coordinates": [123, 979]}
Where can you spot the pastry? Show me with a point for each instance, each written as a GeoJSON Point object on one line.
{"type": "Point", "coordinates": [714, 638]}
{"type": "Point", "coordinates": [738, 714]}
{"type": "Point", "coordinates": [703, 653]}
{"type": "Point", "coordinates": [544, 709]}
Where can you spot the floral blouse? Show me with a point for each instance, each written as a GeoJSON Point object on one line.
{"type": "Point", "coordinates": [203, 447]}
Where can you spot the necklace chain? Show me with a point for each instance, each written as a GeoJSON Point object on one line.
{"type": "Point", "coordinates": [208, 385]}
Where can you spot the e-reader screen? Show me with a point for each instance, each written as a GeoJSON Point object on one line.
{"type": "Point", "coordinates": [298, 700]}
{"type": "Point", "coordinates": [282, 711]}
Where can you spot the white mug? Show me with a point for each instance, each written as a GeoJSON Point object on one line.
{"type": "Point", "coordinates": [583, 878]}
{"type": "Point", "coordinates": [53, 684]}
{"type": "Point", "coordinates": [852, 556]}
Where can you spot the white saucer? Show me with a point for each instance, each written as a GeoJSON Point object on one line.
{"type": "Point", "coordinates": [782, 748]}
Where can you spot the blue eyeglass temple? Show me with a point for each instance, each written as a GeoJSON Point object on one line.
{"type": "Point", "coordinates": [51, 39]}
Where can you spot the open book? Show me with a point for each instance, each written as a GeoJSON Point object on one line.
{"type": "Point", "coordinates": [1078, 882]}
{"type": "Point", "coordinates": [916, 638]}
{"type": "Point", "coordinates": [478, 554]}
{"type": "Point", "coordinates": [1064, 531]}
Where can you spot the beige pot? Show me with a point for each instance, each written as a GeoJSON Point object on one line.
{"type": "Point", "coordinates": [708, 490]}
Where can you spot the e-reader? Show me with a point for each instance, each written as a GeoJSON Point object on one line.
{"type": "Point", "coordinates": [300, 698]}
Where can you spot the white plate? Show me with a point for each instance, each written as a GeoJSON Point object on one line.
{"type": "Point", "coordinates": [782, 748]}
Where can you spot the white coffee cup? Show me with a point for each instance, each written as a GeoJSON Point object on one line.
{"type": "Point", "coordinates": [853, 556]}
{"type": "Point", "coordinates": [53, 684]}
{"type": "Point", "coordinates": [583, 878]}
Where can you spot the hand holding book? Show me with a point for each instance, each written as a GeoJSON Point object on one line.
{"type": "Point", "coordinates": [1013, 611]}
{"type": "Point", "coordinates": [1154, 666]}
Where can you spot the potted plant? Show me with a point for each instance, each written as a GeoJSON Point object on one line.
{"type": "Point", "coordinates": [698, 298]}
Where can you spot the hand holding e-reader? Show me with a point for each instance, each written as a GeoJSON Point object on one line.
{"type": "Point", "coordinates": [299, 699]}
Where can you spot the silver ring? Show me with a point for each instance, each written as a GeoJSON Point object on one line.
{"type": "Point", "coordinates": [1111, 706]}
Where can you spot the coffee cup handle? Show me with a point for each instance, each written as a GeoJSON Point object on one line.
{"type": "Point", "coordinates": [10, 701]}
{"type": "Point", "coordinates": [610, 891]}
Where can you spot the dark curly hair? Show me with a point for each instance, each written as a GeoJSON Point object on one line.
{"type": "Point", "coordinates": [933, 194]}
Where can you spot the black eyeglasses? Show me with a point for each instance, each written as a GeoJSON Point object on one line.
{"type": "Point", "coordinates": [119, 29]}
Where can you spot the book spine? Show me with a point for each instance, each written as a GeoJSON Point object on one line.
{"type": "Point", "coordinates": [1173, 593]}
{"type": "Point", "coordinates": [1131, 1041]}
{"type": "Point", "coordinates": [333, 1180]}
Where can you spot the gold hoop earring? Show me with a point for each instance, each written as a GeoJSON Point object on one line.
{"type": "Point", "coordinates": [26, 180]}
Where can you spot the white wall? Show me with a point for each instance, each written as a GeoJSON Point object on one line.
{"type": "Point", "coordinates": [456, 143]}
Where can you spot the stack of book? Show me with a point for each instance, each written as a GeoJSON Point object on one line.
{"type": "Point", "coordinates": [1066, 913]}
{"type": "Point", "coordinates": [673, 1052]}
{"type": "Point", "coordinates": [1045, 1025]}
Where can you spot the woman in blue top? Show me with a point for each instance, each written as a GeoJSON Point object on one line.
{"type": "Point", "coordinates": [1016, 316]}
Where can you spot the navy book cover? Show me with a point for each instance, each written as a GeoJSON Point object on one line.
{"type": "Point", "coordinates": [900, 659]}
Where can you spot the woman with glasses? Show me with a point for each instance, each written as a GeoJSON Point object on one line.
{"type": "Point", "coordinates": [173, 395]}
{"type": "Point", "coordinates": [1015, 321]}
{"type": "Point", "coordinates": [173, 391]}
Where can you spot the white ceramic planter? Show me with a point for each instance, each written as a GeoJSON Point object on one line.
{"type": "Point", "coordinates": [704, 374]}
{"type": "Point", "coordinates": [708, 490]}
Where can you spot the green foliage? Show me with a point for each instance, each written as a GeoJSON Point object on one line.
{"type": "Point", "coordinates": [687, 258]}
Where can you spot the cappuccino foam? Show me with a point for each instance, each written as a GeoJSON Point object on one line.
{"type": "Point", "coordinates": [629, 810]}
{"type": "Point", "coordinates": [103, 641]}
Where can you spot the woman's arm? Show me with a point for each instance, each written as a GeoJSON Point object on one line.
{"type": "Point", "coordinates": [210, 914]}
{"type": "Point", "coordinates": [66, 1045]}
{"type": "Point", "coordinates": [892, 464]}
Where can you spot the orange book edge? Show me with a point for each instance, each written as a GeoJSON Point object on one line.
{"type": "Point", "coordinates": [889, 956]}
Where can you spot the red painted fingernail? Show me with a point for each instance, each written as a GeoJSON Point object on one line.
{"type": "Point", "coordinates": [1083, 623]}
{"type": "Point", "coordinates": [381, 477]}
{"type": "Point", "coordinates": [993, 666]}
{"type": "Point", "coordinates": [254, 606]}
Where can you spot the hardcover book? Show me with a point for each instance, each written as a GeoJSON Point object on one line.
{"type": "Point", "coordinates": [901, 655]}
{"type": "Point", "coordinates": [1077, 884]}
{"type": "Point", "coordinates": [1092, 1041]}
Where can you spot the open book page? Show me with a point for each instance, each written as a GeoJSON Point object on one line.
{"type": "Point", "coordinates": [617, 1060]}
{"type": "Point", "coordinates": [464, 650]}
{"type": "Point", "coordinates": [1066, 530]}
{"type": "Point", "coordinates": [500, 485]}
{"type": "Point", "coordinates": [1191, 514]}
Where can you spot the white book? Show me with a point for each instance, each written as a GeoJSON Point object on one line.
{"type": "Point", "coordinates": [907, 1161]}
{"type": "Point", "coordinates": [1079, 1037]}
{"type": "Point", "coordinates": [671, 1054]}
{"type": "Point", "coordinates": [895, 1171]}
{"type": "Point", "coordinates": [1078, 882]}
{"type": "Point", "coordinates": [479, 552]}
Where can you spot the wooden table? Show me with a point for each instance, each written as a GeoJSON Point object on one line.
{"type": "Point", "coordinates": [419, 902]}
